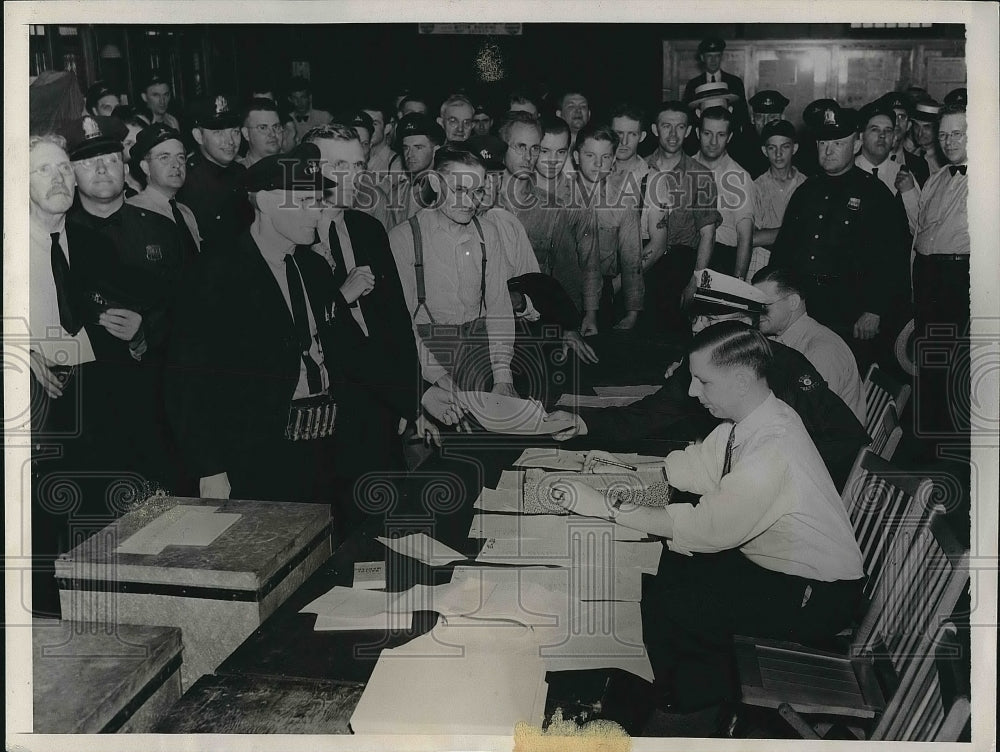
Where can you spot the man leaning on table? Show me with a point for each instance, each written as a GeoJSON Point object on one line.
{"type": "Point", "coordinates": [767, 551]}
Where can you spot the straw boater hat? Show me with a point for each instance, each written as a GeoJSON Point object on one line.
{"type": "Point", "coordinates": [717, 90]}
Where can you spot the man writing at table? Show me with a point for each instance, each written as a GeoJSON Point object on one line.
{"type": "Point", "coordinates": [767, 551]}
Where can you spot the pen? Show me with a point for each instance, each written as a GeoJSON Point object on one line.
{"type": "Point", "coordinates": [633, 468]}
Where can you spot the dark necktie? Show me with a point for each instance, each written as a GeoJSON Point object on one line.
{"type": "Point", "coordinates": [60, 274]}
{"type": "Point", "coordinates": [875, 171]}
{"type": "Point", "coordinates": [727, 463]}
{"type": "Point", "coordinates": [190, 247]}
{"type": "Point", "coordinates": [955, 169]}
{"type": "Point", "coordinates": [301, 318]}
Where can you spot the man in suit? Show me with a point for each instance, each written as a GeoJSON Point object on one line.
{"type": "Point", "coordinates": [877, 125]}
{"type": "Point", "coordinates": [263, 391]}
{"type": "Point", "coordinates": [902, 107]}
{"type": "Point", "coordinates": [710, 56]}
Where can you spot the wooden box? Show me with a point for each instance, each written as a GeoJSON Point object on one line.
{"type": "Point", "coordinates": [218, 591]}
{"type": "Point", "coordinates": [89, 679]}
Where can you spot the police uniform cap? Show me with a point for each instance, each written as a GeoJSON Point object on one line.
{"type": "Point", "coordinates": [777, 128]}
{"type": "Point", "coordinates": [957, 96]}
{"type": "Point", "coordinates": [874, 109]}
{"type": "Point", "coordinates": [716, 90]}
{"type": "Point", "coordinates": [216, 113]}
{"type": "Point", "coordinates": [834, 122]}
{"type": "Point", "coordinates": [719, 294]}
{"type": "Point", "coordinates": [480, 109]}
{"type": "Point", "coordinates": [926, 111]}
{"type": "Point", "coordinates": [812, 115]}
{"type": "Point", "coordinates": [93, 135]}
{"type": "Point", "coordinates": [96, 93]}
{"type": "Point", "coordinates": [711, 44]}
{"type": "Point", "coordinates": [418, 124]}
{"type": "Point", "coordinates": [154, 79]}
{"type": "Point", "coordinates": [151, 136]}
{"type": "Point", "coordinates": [355, 119]}
{"type": "Point", "coordinates": [895, 100]}
{"type": "Point", "coordinates": [491, 149]}
{"type": "Point", "coordinates": [296, 170]}
{"type": "Point", "coordinates": [769, 100]}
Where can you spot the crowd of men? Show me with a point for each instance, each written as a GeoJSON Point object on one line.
{"type": "Point", "coordinates": [263, 302]}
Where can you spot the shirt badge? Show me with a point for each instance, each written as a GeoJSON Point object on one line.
{"type": "Point", "coordinates": [90, 128]}
{"type": "Point", "coordinates": [806, 384]}
{"type": "Point", "coordinates": [706, 280]}
{"type": "Point", "coordinates": [854, 203]}
{"type": "Point", "coordinates": [154, 253]}
{"type": "Point", "coordinates": [829, 117]}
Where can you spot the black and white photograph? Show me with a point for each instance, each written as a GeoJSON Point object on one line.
{"type": "Point", "coordinates": [478, 375]}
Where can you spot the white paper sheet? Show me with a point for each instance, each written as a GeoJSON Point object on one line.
{"type": "Point", "coordinates": [552, 458]}
{"type": "Point", "coordinates": [498, 501]}
{"type": "Point", "coordinates": [183, 525]}
{"type": "Point", "coordinates": [492, 686]}
{"type": "Point", "coordinates": [638, 391]}
{"type": "Point", "coordinates": [510, 480]}
{"type": "Point", "coordinates": [518, 525]}
{"type": "Point", "coordinates": [423, 548]}
{"type": "Point", "coordinates": [587, 548]}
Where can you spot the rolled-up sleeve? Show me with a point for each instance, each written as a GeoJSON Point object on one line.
{"type": "Point", "coordinates": [500, 314]}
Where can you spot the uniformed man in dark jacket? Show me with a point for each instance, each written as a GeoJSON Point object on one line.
{"type": "Point", "coordinates": [214, 188]}
{"type": "Point", "coordinates": [130, 261]}
{"type": "Point", "coordinates": [746, 147]}
{"type": "Point", "coordinates": [672, 414]}
{"type": "Point", "coordinates": [845, 235]}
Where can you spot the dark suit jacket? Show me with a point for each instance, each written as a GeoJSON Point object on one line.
{"type": "Point", "coordinates": [918, 167]}
{"type": "Point", "coordinates": [672, 414]}
{"type": "Point", "coordinates": [234, 365]}
{"type": "Point", "coordinates": [548, 297]}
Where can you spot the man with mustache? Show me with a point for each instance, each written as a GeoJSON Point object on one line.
{"type": "Point", "coordinates": [214, 188]}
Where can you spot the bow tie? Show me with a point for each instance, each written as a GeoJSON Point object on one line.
{"type": "Point", "coordinates": [957, 168]}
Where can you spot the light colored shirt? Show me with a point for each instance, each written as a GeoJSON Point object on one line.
{"type": "Point", "coordinates": [47, 335]}
{"type": "Point", "coordinates": [887, 172]}
{"type": "Point", "coordinates": [312, 119]}
{"type": "Point", "coordinates": [452, 282]}
{"type": "Point", "coordinates": [736, 198]}
{"type": "Point", "coordinates": [276, 263]}
{"type": "Point", "coordinates": [379, 159]}
{"type": "Point", "coordinates": [158, 202]}
{"type": "Point", "coordinates": [777, 504]}
{"type": "Point", "coordinates": [517, 251]}
{"type": "Point", "coordinates": [831, 356]}
{"type": "Point", "coordinates": [636, 166]}
{"type": "Point", "coordinates": [943, 215]}
{"type": "Point", "coordinates": [771, 198]}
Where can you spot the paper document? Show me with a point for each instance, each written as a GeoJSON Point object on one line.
{"type": "Point", "coordinates": [183, 525]}
{"type": "Point", "coordinates": [423, 548]}
{"type": "Point", "coordinates": [593, 549]}
{"type": "Point", "coordinates": [639, 391]}
{"type": "Point", "coordinates": [577, 401]}
{"type": "Point", "coordinates": [498, 501]}
{"type": "Point", "coordinates": [510, 480]}
{"type": "Point", "coordinates": [552, 458]}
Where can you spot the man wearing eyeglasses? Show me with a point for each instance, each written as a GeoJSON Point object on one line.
{"type": "Point", "coordinates": [457, 113]}
{"type": "Point", "coordinates": [161, 163]}
{"type": "Point", "coordinates": [214, 187]}
{"type": "Point", "coordinates": [262, 130]}
{"type": "Point", "coordinates": [453, 273]}
{"type": "Point", "coordinates": [941, 282]}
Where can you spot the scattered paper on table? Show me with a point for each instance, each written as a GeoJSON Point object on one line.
{"type": "Point", "coordinates": [518, 525]}
{"type": "Point", "coordinates": [183, 525]}
{"type": "Point", "coordinates": [577, 401]}
{"type": "Point", "coordinates": [639, 391]}
{"type": "Point", "coordinates": [510, 480]}
{"type": "Point", "coordinates": [422, 547]}
{"type": "Point", "coordinates": [498, 501]}
{"type": "Point", "coordinates": [552, 458]}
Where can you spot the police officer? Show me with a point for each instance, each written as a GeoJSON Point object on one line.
{"type": "Point", "coordinates": [844, 233]}
{"type": "Point", "coordinates": [214, 187]}
{"type": "Point", "coordinates": [745, 148]}
{"type": "Point", "coordinates": [131, 260]}
{"type": "Point", "coordinates": [806, 160]}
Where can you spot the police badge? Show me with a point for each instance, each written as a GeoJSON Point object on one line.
{"type": "Point", "coordinates": [154, 253]}
{"type": "Point", "coordinates": [806, 383]}
{"type": "Point", "coordinates": [854, 203]}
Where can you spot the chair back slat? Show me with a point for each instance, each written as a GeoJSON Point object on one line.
{"type": "Point", "coordinates": [933, 705]}
{"type": "Point", "coordinates": [879, 389]}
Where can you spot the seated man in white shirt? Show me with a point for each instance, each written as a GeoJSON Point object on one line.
{"type": "Point", "coordinates": [767, 551]}
{"type": "Point", "coordinates": [454, 279]}
{"type": "Point", "coordinates": [786, 320]}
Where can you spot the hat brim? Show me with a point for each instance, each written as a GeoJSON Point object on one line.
{"type": "Point", "coordinates": [96, 147]}
{"type": "Point", "coordinates": [730, 97]}
{"type": "Point", "coordinates": [904, 348]}
{"type": "Point", "coordinates": [219, 123]}
{"type": "Point", "coordinates": [826, 133]}
{"type": "Point", "coordinates": [714, 301]}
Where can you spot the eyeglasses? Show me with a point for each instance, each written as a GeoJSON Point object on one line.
{"type": "Point", "coordinates": [454, 122]}
{"type": "Point", "coordinates": [767, 306]}
{"type": "Point", "coordinates": [951, 136]}
{"type": "Point", "coordinates": [49, 170]}
{"type": "Point", "coordinates": [523, 149]}
{"type": "Point", "coordinates": [168, 159]}
{"type": "Point", "coordinates": [263, 129]}
{"type": "Point", "coordinates": [108, 160]}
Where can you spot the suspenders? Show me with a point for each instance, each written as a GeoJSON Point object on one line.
{"type": "Point", "coordinates": [418, 268]}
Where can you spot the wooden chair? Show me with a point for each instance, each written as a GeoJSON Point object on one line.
{"type": "Point", "coordinates": [933, 707]}
{"type": "Point", "coordinates": [881, 502]}
{"type": "Point", "coordinates": [916, 593]}
{"type": "Point", "coordinates": [879, 390]}
{"type": "Point", "coordinates": [887, 432]}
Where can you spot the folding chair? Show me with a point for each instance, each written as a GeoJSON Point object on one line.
{"type": "Point", "coordinates": [879, 391]}
{"type": "Point", "coordinates": [881, 502]}
{"type": "Point", "coordinates": [915, 595]}
{"type": "Point", "coordinates": [887, 432]}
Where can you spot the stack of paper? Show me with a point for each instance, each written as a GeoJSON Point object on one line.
{"type": "Point", "coordinates": [423, 548]}
{"type": "Point", "coordinates": [182, 525]}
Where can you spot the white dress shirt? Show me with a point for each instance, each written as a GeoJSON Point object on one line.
{"type": "Point", "coordinates": [777, 504]}
{"type": "Point", "coordinates": [47, 335]}
{"type": "Point", "coordinates": [831, 356]}
{"type": "Point", "coordinates": [737, 198]}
